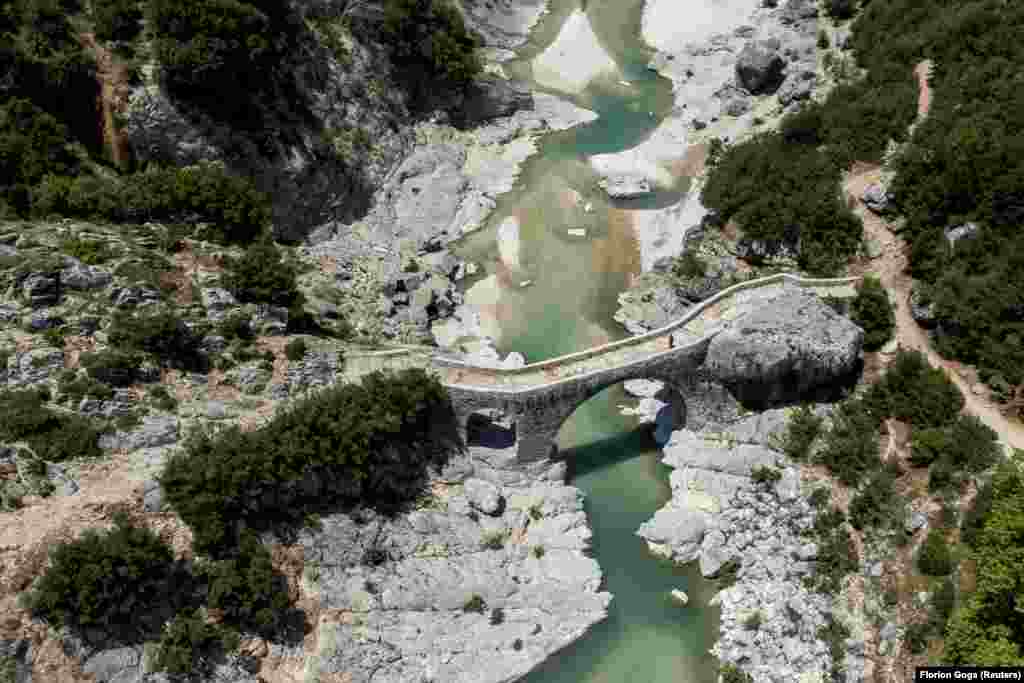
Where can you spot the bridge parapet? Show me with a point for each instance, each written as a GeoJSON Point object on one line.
{"type": "Point", "coordinates": [695, 321]}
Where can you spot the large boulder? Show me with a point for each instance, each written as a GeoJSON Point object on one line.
{"type": "Point", "coordinates": [791, 347]}
{"type": "Point", "coordinates": [759, 68]}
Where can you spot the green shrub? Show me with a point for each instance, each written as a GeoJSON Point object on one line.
{"type": "Point", "coordinates": [917, 637]}
{"type": "Point", "coordinates": [87, 251]}
{"type": "Point", "coordinates": [837, 555]}
{"type": "Point", "coordinates": [819, 498]}
{"type": "Point", "coordinates": [942, 476]}
{"type": "Point", "coordinates": [834, 633]}
{"type": "Point", "coordinates": [974, 446]}
{"type": "Point", "coordinates": [236, 326]}
{"type": "Point", "coordinates": [105, 580]}
{"type": "Point", "coordinates": [160, 333]}
{"type": "Point", "coordinates": [914, 391]}
{"type": "Point", "coordinates": [928, 445]}
{"type": "Point", "coordinates": [54, 436]}
{"type": "Point", "coordinates": [872, 311]}
{"type": "Point", "coordinates": [117, 19]}
{"type": "Point", "coordinates": [753, 621]}
{"type": "Point", "coordinates": [474, 604]}
{"type": "Point", "coordinates": [493, 540]}
{"type": "Point", "coordinates": [688, 266]}
{"type": "Point", "coordinates": [943, 602]}
{"type": "Point", "coordinates": [765, 475]}
{"type": "Point", "coordinates": [986, 629]}
{"type": "Point", "coordinates": [295, 350]}
{"type": "Point", "coordinates": [430, 44]}
{"type": "Point", "coordinates": [246, 587]}
{"type": "Point", "coordinates": [221, 55]}
{"type": "Point", "coordinates": [32, 144]}
{"type": "Point", "coordinates": [934, 558]}
{"type": "Point", "coordinates": [974, 520]}
{"type": "Point", "coordinates": [113, 367]}
{"type": "Point", "coordinates": [850, 447]}
{"type": "Point", "coordinates": [188, 641]}
{"type": "Point", "coordinates": [876, 504]}
{"type": "Point", "coordinates": [371, 441]}
{"type": "Point", "coordinates": [823, 42]}
{"type": "Point", "coordinates": [538, 551]}
{"type": "Point", "coordinates": [786, 195]}
{"type": "Point", "coordinates": [262, 276]}
{"type": "Point", "coordinates": [163, 399]}
{"type": "Point", "coordinates": [730, 673]}
{"type": "Point", "coordinates": [802, 428]}
{"type": "Point", "coordinates": [206, 192]}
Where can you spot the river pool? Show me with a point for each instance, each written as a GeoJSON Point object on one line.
{"type": "Point", "coordinates": [572, 284]}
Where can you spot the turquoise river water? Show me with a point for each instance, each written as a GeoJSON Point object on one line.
{"type": "Point", "coordinates": [569, 305]}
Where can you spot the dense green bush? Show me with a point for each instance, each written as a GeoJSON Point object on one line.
{"type": "Point", "coordinates": [188, 642]}
{"type": "Point", "coordinates": [160, 333]}
{"type": "Point", "coordinates": [105, 581]}
{"type": "Point", "coordinates": [246, 587]}
{"type": "Point", "coordinates": [873, 312]}
{"type": "Point", "coordinates": [117, 19]}
{"type": "Point", "coordinates": [204, 192]}
{"type": "Point", "coordinates": [32, 144]}
{"type": "Point", "coordinates": [964, 163]}
{"type": "Point", "coordinates": [73, 388]}
{"type": "Point", "coordinates": [430, 44]}
{"type": "Point", "coordinates": [876, 504]}
{"type": "Point", "coordinates": [295, 350]}
{"type": "Point", "coordinates": [802, 429]}
{"type": "Point", "coordinates": [934, 557]}
{"type": "Point", "coordinates": [786, 194]}
{"type": "Point", "coordinates": [53, 435]}
{"type": "Point", "coordinates": [974, 520]}
{"type": "Point", "coordinates": [988, 628]}
{"type": "Point", "coordinates": [763, 474]}
{"type": "Point", "coordinates": [850, 446]}
{"type": "Point", "coordinates": [913, 390]}
{"type": "Point", "coordinates": [113, 367]}
{"type": "Point", "coordinates": [261, 275]}
{"type": "Point", "coordinates": [731, 674]}
{"type": "Point", "coordinates": [221, 54]}
{"type": "Point", "coordinates": [371, 442]}
{"type": "Point", "coordinates": [837, 555]}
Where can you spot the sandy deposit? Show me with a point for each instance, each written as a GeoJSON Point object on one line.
{"type": "Point", "coordinates": [574, 59]}
{"type": "Point", "coordinates": [670, 24]}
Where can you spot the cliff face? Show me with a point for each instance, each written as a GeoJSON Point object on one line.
{"type": "Point", "coordinates": [335, 126]}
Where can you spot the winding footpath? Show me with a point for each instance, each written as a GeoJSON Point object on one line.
{"type": "Point", "coordinates": [891, 269]}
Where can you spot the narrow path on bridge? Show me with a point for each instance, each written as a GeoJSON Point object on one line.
{"type": "Point", "coordinates": [891, 267]}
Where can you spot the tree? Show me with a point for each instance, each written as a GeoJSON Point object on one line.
{"type": "Point", "coordinates": [873, 312]}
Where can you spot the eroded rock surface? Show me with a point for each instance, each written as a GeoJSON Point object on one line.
{"type": "Point", "coordinates": [786, 349]}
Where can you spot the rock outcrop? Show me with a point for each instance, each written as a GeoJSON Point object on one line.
{"type": "Point", "coordinates": [787, 349]}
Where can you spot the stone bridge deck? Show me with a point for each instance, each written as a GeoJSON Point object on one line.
{"type": "Point", "coordinates": [701, 320]}
{"type": "Point", "coordinates": [537, 398]}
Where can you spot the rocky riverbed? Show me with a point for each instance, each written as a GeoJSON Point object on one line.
{"type": "Point", "coordinates": [758, 63]}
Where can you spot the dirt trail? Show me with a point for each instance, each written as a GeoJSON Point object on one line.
{"type": "Point", "coordinates": [113, 79]}
{"type": "Point", "coordinates": [891, 267]}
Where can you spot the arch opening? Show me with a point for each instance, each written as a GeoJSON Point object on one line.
{"type": "Point", "coordinates": [490, 428]}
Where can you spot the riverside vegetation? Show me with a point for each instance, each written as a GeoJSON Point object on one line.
{"type": "Point", "coordinates": [962, 165]}
{"type": "Point", "coordinates": [368, 444]}
{"type": "Point", "coordinates": [957, 451]}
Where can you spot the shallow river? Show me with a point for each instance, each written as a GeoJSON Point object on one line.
{"type": "Point", "coordinates": [568, 306]}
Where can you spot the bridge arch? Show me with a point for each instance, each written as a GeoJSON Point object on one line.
{"type": "Point", "coordinates": [534, 415]}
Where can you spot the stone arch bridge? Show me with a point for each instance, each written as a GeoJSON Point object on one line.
{"type": "Point", "coordinates": [537, 398]}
